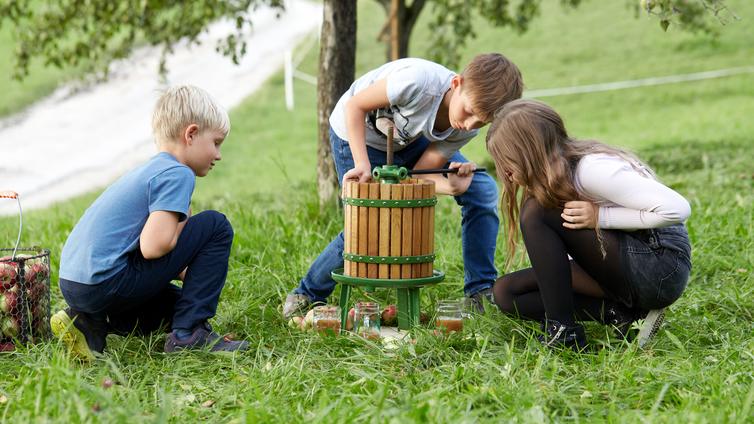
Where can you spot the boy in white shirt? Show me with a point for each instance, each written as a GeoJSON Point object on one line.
{"type": "Point", "coordinates": [435, 112]}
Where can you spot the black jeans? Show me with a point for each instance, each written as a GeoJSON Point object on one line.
{"type": "Point", "coordinates": [141, 297]}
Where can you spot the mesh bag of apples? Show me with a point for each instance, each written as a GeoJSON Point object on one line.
{"type": "Point", "coordinates": [24, 296]}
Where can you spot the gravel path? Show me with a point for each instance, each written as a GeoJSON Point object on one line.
{"type": "Point", "coordinates": [75, 141]}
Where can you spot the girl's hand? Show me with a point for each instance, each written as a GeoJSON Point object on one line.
{"type": "Point", "coordinates": [461, 181]}
{"type": "Point", "coordinates": [579, 214]}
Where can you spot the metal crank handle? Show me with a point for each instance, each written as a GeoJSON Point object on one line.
{"type": "Point", "coordinates": [440, 171]}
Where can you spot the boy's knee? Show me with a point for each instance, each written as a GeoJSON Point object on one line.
{"type": "Point", "coordinates": [482, 193]}
{"type": "Point", "coordinates": [487, 187]}
{"type": "Point", "coordinates": [219, 222]}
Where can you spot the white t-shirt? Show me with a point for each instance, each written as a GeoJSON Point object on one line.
{"type": "Point", "coordinates": [415, 89]}
{"type": "Point", "coordinates": [629, 199]}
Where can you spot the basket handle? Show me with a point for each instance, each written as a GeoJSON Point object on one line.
{"type": "Point", "coordinates": [7, 194]}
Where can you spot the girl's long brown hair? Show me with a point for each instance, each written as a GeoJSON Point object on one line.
{"type": "Point", "coordinates": [534, 154]}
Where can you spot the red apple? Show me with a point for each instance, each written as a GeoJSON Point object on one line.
{"type": "Point", "coordinates": [8, 302]}
{"type": "Point", "coordinates": [38, 311]}
{"type": "Point", "coordinates": [389, 315]}
{"type": "Point", "coordinates": [36, 272]}
{"type": "Point", "coordinates": [8, 274]}
{"type": "Point", "coordinates": [37, 291]}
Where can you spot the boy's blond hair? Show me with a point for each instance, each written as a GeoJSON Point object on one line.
{"type": "Point", "coordinates": [491, 80]}
{"type": "Point", "coordinates": [183, 105]}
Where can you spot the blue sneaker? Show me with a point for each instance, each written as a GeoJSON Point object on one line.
{"type": "Point", "coordinates": [203, 338]}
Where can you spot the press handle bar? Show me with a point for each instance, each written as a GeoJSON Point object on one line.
{"type": "Point", "coordinates": [440, 171]}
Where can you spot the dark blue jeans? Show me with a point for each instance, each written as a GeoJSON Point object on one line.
{"type": "Point", "coordinates": [658, 264]}
{"type": "Point", "coordinates": [142, 298]}
{"type": "Point", "coordinates": [479, 224]}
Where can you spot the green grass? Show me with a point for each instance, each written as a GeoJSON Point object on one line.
{"type": "Point", "coordinates": [699, 369]}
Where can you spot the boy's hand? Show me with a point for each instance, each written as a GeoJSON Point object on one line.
{"type": "Point", "coordinates": [461, 181]}
{"type": "Point", "coordinates": [579, 214]}
{"type": "Point", "coordinates": [360, 173]}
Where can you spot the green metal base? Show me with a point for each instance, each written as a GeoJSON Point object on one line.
{"type": "Point", "coordinates": [408, 294]}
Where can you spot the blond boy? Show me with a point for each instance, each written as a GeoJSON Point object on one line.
{"type": "Point", "coordinates": [117, 265]}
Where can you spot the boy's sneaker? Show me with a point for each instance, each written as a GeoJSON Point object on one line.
{"type": "Point", "coordinates": [84, 337]}
{"type": "Point", "coordinates": [556, 334]}
{"type": "Point", "coordinates": [295, 304]}
{"type": "Point", "coordinates": [203, 338]}
{"type": "Point", "coordinates": [651, 324]}
{"type": "Point", "coordinates": [475, 302]}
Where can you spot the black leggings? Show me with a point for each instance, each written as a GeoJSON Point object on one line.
{"type": "Point", "coordinates": [558, 288]}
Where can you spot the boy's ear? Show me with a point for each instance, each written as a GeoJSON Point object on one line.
{"type": "Point", "coordinates": [456, 81]}
{"type": "Point", "coordinates": [189, 133]}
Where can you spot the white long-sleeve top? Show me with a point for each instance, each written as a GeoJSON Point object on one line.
{"type": "Point", "coordinates": [628, 199]}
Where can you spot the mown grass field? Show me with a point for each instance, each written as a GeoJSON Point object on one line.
{"type": "Point", "coordinates": [698, 137]}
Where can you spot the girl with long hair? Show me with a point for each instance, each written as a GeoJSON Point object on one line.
{"type": "Point", "coordinates": [606, 240]}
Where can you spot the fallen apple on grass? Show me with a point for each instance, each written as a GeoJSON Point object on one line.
{"type": "Point", "coordinates": [308, 322]}
{"type": "Point", "coordinates": [296, 322]}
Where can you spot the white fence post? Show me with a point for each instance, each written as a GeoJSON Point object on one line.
{"type": "Point", "coordinates": [288, 80]}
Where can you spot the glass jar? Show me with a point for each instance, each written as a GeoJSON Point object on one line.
{"type": "Point", "coordinates": [449, 316]}
{"type": "Point", "coordinates": [326, 319]}
{"type": "Point", "coordinates": [366, 320]}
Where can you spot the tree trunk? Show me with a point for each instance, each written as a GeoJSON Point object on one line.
{"type": "Point", "coordinates": [337, 58]}
{"type": "Point", "coordinates": [406, 16]}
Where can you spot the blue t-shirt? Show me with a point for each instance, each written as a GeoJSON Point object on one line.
{"type": "Point", "coordinates": [98, 246]}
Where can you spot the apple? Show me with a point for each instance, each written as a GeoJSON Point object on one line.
{"type": "Point", "coordinates": [349, 319]}
{"type": "Point", "coordinates": [647, 5]}
{"type": "Point", "coordinates": [8, 302]}
{"type": "Point", "coordinates": [8, 274]}
{"type": "Point", "coordinates": [37, 291]}
{"type": "Point", "coordinates": [38, 311]}
{"type": "Point", "coordinates": [308, 323]}
{"type": "Point", "coordinates": [11, 327]}
{"type": "Point", "coordinates": [36, 273]}
{"type": "Point", "coordinates": [390, 315]}
{"type": "Point", "coordinates": [423, 317]}
{"type": "Point", "coordinates": [295, 322]}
